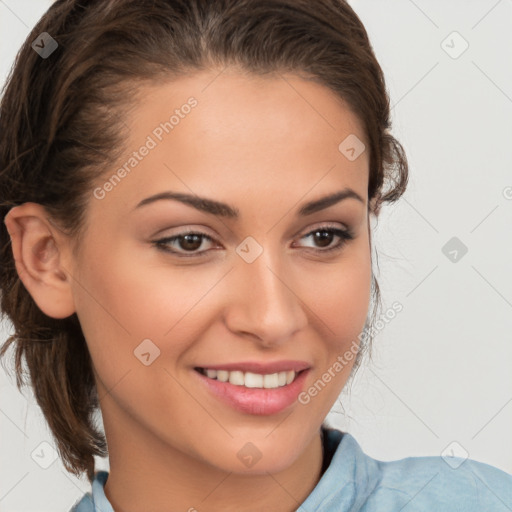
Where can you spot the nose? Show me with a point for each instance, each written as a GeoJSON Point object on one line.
{"type": "Point", "coordinates": [266, 302]}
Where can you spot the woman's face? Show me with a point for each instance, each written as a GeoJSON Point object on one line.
{"type": "Point", "coordinates": [263, 280]}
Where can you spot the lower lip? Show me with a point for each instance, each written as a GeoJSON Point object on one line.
{"type": "Point", "coordinates": [256, 400]}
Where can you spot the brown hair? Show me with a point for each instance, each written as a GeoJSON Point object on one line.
{"type": "Point", "coordinates": [61, 120]}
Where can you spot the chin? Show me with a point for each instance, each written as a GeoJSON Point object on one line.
{"type": "Point", "coordinates": [257, 457]}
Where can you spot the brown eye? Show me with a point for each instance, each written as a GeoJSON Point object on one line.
{"type": "Point", "coordinates": [324, 235]}
{"type": "Point", "coordinates": [184, 243]}
{"type": "Point", "coordinates": [190, 242]}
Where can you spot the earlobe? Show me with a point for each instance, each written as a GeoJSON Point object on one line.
{"type": "Point", "coordinates": [38, 251]}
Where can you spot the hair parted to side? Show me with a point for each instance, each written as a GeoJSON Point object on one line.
{"type": "Point", "coordinates": [61, 120]}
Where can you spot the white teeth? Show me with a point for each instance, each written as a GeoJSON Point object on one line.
{"type": "Point", "coordinates": [222, 375]}
{"type": "Point", "coordinates": [236, 378]}
{"type": "Point", "coordinates": [252, 380]}
{"type": "Point", "coordinates": [211, 373]}
{"type": "Point", "coordinates": [271, 380]}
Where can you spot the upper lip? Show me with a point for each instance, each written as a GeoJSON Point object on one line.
{"type": "Point", "coordinates": [259, 367]}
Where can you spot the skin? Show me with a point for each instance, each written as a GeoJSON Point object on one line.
{"type": "Point", "coordinates": [247, 141]}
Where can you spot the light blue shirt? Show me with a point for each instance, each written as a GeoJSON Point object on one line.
{"type": "Point", "coordinates": [356, 482]}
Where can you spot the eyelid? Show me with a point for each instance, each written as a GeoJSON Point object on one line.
{"type": "Point", "coordinates": [323, 225]}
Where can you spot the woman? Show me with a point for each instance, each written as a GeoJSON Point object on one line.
{"type": "Point", "coordinates": [188, 190]}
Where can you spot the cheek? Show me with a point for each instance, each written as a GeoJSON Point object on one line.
{"type": "Point", "coordinates": [340, 301]}
{"type": "Point", "coordinates": [339, 294]}
{"type": "Point", "coordinates": [123, 299]}
{"type": "Point", "coordinates": [339, 298]}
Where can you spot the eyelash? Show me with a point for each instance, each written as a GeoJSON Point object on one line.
{"type": "Point", "coordinates": [345, 235]}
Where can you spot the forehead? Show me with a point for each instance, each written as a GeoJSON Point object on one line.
{"type": "Point", "coordinates": [226, 132]}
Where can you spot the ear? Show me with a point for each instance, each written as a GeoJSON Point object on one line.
{"type": "Point", "coordinates": [39, 250]}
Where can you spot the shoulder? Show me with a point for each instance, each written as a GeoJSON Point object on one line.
{"type": "Point", "coordinates": [95, 500]}
{"type": "Point", "coordinates": [364, 483]}
{"type": "Point", "coordinates": [85, 504]}
{"type": "Point", "coordinates": [453, 484]}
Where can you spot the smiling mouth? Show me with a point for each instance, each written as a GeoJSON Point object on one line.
{"type": "Point", "coordinates": [250, 379]}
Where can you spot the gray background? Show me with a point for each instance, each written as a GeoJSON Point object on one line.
{"type": "Point", "coordinates": [441, 368]}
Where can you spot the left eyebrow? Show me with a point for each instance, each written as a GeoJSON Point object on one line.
{"type": "Point", "coordinates": [225, 210]}
{"type": "Point", "coordinates": [330, 200]}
